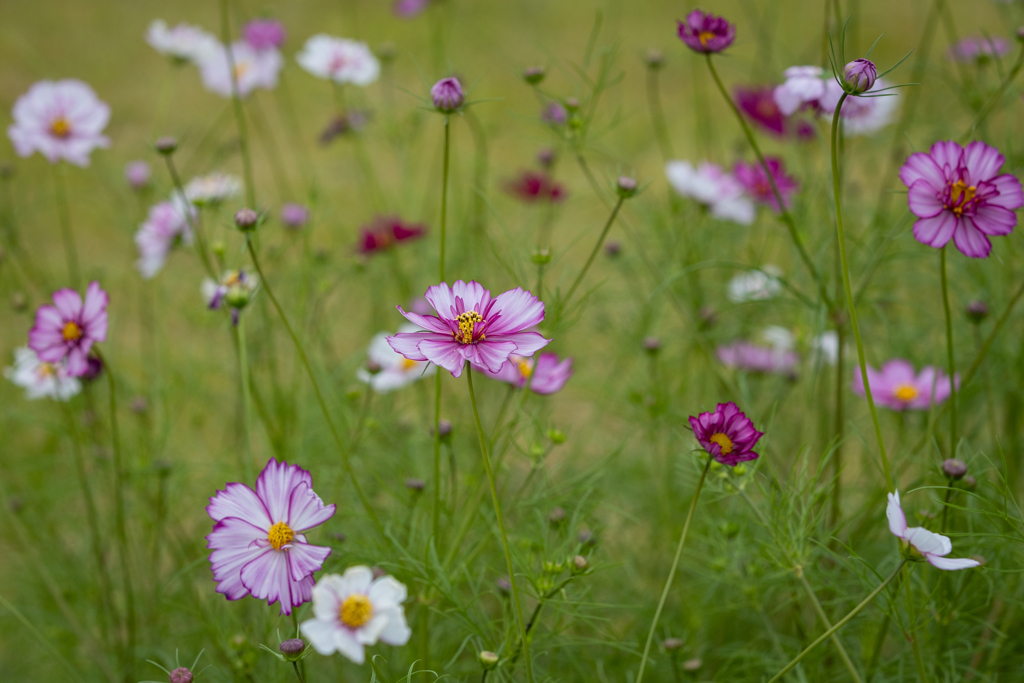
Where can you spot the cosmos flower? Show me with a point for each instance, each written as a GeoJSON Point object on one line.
{"type": "Point", "coordinates": [865, 114]}
{"type": "Point", "coordinates": [898, 387]}
{"type": "Point", "coordinates": [165, 227]}
{"type": "Point", "coordinates": [804, 87]}
{"type": "Point", "coordinates": [471, 326]}
{"type": "Point", "coordinates": [922, 543]}
{"type": "Point", "coordinates": [68, 329]}
{"type": "Point", "coordinates": [60, 120]}
{"type": "Point", "coordinates": [546, 376]}
{"type": "Point", "coordinates": [758, 104]}
{"type": "Point", "coordinates": [958, 193]}
{"type": "Point", "coordinates": [387, 231]}
{"type": "Point", "coordinates": [212, 189]}
{"type": "Point", "coordinates": [554, 114]}
{"type": "Point", "coordinates": [712, 187]}
{"type": "Point", "coordinates": [705, 32]}
{"type": "Point", "coordinates": [391, 369]}
{"type": "Point", "coordinates": [236, 289]}
{"type": "Point", "coordinates": [726, 434]}
{"type": "Point", "coordinates": [137, 174]}
{"type": "Point", "coordinates": [533, 186]}
{"type": "Point", "coordinates": [252, 69]}
{"type": "Point", "coordinates": [294, 216]}
{"type": "Point", "coordinates": [860, 75]}
{"type": "Point", "coordinates": [257, 543]}
{"type": "Point", "coordinates": [339, 59]}
{"type": "Point", "coordinates": [978, 49]}
{"type": "Point", "coordinates": [40, 379]}
{"type": "Point", "coordinates": [183, 43]}
{"type": "Point", "coordinates": [264, 34]}
{"type": "Point", "coordinates": [447, 95]}
{"type": "Point", "coordinates": [755, 285]}
{"type": "Point", "coordinates": [407, 9]}
{"type": "Point", "coordinates": [354, 610]}
{"type": "Point", "coordinates": [755, 181]}
{"type": "Point", "coordinates": [742, 355]}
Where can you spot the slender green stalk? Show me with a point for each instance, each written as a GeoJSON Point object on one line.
{"type": "Point", "coordinates": [298, 673]}
{"type": "Point", "coordinates": [236, 103]}
{"type": "Point", "coordinates": [191, 218]}
{"type": "Point", "coordinates": [346, 460]}
{"type": "Point", "coordinates": [243, 371]}
{"type": "Point", "coordinates": [436, 511]}
{"type": "Point", "coordinates": [64, 217]}
{"type": "Point", "coordinates": [839, 624]}
{"type": "Point", "coordinates": [501, 526]}
{"type": "Point", "coordinates": [672, 571]}
{"type": "Point", "coordinates": [953, 441]}
{"type": "Point", "coordinates": [657, 113]}
{"type": "Point", "coordinates": [30, 627]}
{"type": "Point", "coordinates": [850, 305]}
{"type": "Point", "coordinates": [444, 188]}
{"type": "Point", "coordinates": [594, 251]}
{"type": "Point", "coordinates": [840, 427]}
{"type": "Point", "coordinates": [922, 672]}
{"type": "Point", "coordinates": [828, 624]}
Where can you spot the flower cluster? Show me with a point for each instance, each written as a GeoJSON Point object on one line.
{"type": "Point", "coordinates": [732, 196]}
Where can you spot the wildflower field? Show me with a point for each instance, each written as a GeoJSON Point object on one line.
{"type": "Point", "coordinates": [540, 341]}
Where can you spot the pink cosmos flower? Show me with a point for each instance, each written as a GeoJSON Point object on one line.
{"type": "Point", "coordinates": [742, 355]}
{"type": "Point", "coordinates": [69, 328]}
{"type": "Point", "coordinates": [897, 386]}
{"type": "Point", "coordinates": [532, 186]}
{"type": "Point", "coordinates": [804, 87]}
{"type": "Point", "coordinates": [60, 120]}
{"type": "Point", "coordinates": [978, 49]}
{"type": "Point", "coordinates": [258, 548]}
{"type": "Point", "coordinates": [407, 9]}
{"type": "Point", "coordinates": [759, 106]}
{"type": "Point", "coordinates": [41, 379]}
{"type": "Point", "coordinates": [471, 326]}
{"type": "Point", "coordinates": [554, 114]}
{"type": "Point", "coordinates": [546, 376]}
{"type": "Point", "coordinates": [339, 59]}
{"type": "Point", "coordinates": [166, 226]}
{"type": "Point", "coordinates": [387, 231]}
{"type": "Point", "coordinates": [931, 546]}
{"type": "Point", "coordinates": [183, 43]}
{"type": "Point", "coordinates": [264, 34]}
{"type": "Point", "coordinates": [727, 434]}
{"type": "Point", "coordinates": [252, 69]}
{"type": "Point", "coordinates": [712, 187]}
{"type": "Point", "coordinates": [705, 32]}
{"type": "Point", "coordinates": [137, 174]}
{"type": "Point", "coordinates": [957, 193]}
{"type": "Point", "coordinates": [755, 181]}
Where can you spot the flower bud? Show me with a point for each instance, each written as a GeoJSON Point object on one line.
{"type": "Point", "coordinates": [292, 648]}
{"type": "Point", "coordinates": [655, 59]}
{"type": "Point", "coordinates": [488, 660]}
{"type": "Point", "coordinates": [415, 485]}
{"type": "Point", "coordinates": [294, 215]}
{"type": "Point", "coordinates": [541, 256]}
{"type": "Point", "coordinates": [373, 367]}
{"type": "Point", "coordinates": [612, 248]}
{"type": "Point", "coordinates": [166, 145]}
{"type": "Point", "coordinates": [572, 104]}
{"type": "Point", "coordinates": [18, 301]}
{"type": "Point", "coordinates": [137, 174]}
{"type": "Point", "coordinates": [708, 317]}
{"type": "Point", "coordinates": [692, 664]}
{"type": "Point", "coordinates": [671, 644]}
{"type": "Point", "coordinates": [444, 429]}
{"type": "Point", "coordinates": [977, 311]}
{"type": "Point", "coordinates": [954, 468]}
{"type": "Point", "coordinates": [555, 114]}
{"type": "Point", "coordinates": [339, 537]}
{"type": "Point", "coordinates": [140, 405]}
{"type": "Point", "coordinates": [626, 186]}
{"type": "Point", "coordinates": [219, 249]}
{"type": "Point", "coordinates": [579, 564]}
{"type": "Point", "coordinates": [652, 345]}
{"type": "Point", "coordinates": [557, 436]}
{"type": "Point", "coordinates": [860, 75]}
{"type": "Point", "coordinates": [181, 675]}
{"type": "Point", "coordinates": [447, 95]}
{"type": "Point", "coordinates": [503, 585]}
{"type": "Point", "coordinates": [969, 483]}
{"type": "Point", "coordinates": [386, 51]}
{"type": "Point", "coordinates": [586, 538]}
{"type": "Point", "coordinates": [1020, 34]}
{"type": "Point", "coordinates": [553, 567]}
{"type": "Point", "coordinates": [556, 516]}
{"type": "Point", "coordinates": [246, 220]}
{"type": "Point", "coordinates": [534, 75]}
{"type": "Point", "coordinates": [546, 157]}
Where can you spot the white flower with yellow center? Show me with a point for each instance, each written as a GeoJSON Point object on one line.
{"type": "Point", "coordinates": [212, 189]}
{"type": "Point", "coordinates": [40, 379]}
{"type": "Point", "coordinates": [354, 610]}
{"type": "Point", "coordinates": [392, 370]}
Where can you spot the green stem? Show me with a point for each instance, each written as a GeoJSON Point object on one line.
{"type": "Point", "coordinates": [64, 217]}
{"type": "Point", "coordinates": [236, 103]}
{"type": "Point", "coordinates": [501, 526]}
{"type": "Point", "coordinates": [949, 356]}
{"type": "Point", "coordinates": [657, 113]}
{"type": "Point", "coordinates": [922, 672]}
{"type": "Point", "coordinates": [192, 220]}
{"type": "Point", "coordinates": [828, 624]}
{"type": "Point", "coordinates": [298, 673]}
{"type": "Point", "coordinates": [839, 624]}
{"type": "Point", "coordinates": [840, 427]}
{"type": "Point", "coordinates": [243, 367]}
{"type": "Point", "coordinates": [436, 512]}
{"type": "Point", "coordinates": [672, 571]}
{"type": "Point", "coordinates": [444, 189]}
{"type": "Point", "coordinates": [594, 251]}
{"type": "Point", "coordinates": [998, 95]}
{"type": "Point", "coordinates": [850, 305]}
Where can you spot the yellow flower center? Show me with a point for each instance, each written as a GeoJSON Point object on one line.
{"type": "Point", "coordinates": [356, 610]}
{"type": "Point", "coordinates": [724, 442]}
{"type": "Point", "coordinates": [408, 364]}
{"type": "Point", "coordinates": [525, 368]}
{"type": "Point", "coordinates": [280, 534]}
{"type": "Point", "coordinates": [960, 196]}
{"type": "Point", "coordinates": [704, 37]}
{"type": "Point", "coordinates": [241, 69]}
{"type": "Point", "coordinates": [905, 392]}
{"type": "Point", "coordinates": [46, 370]}
{"type": "Point", "coordinates": [72, 332]}
{"type": "Point", "coordinates": [467, 326]}
{"type": "Point", "coordinates": [233, 278]}
{"type": "Point", "coordinates": [61, 127]}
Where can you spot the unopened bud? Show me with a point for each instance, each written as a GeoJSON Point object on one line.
{"type": "Point", "coordinates": [546, 157]}
{"type": "Point", "coordinates": [692, 664]}
{"type": "Point", "coordinates": [626, 186]}
{"type": "Point", "coordinates": [586, 538]}
{"type": "Point", "coordinates": [708, 317]}
{"type": "Point", "coordinates": [373, 367]}
{"type": "Point", "coordinates": [18, 301]}
{"type": "Point", "coordinates": [447, 95]}
{"type": "Point", "coordinates": [386, 51]}
{"type": "Point", "coordinates": [488, 660]}
{"type": "Point", "coordinates": [503, 585]}
{"type": "Point", "coordinates": [444, 429]}
{"type": "Point", "coordinates": [954, 468]}
{"type": "Point", "coordinates": [557, 436]}
{"type": "Point", "coordinates": [860, 75]}
{"type": "Point", "coordinates": [541, 256]}
{"type": "Point", "coordinates": [534, 75]}
{"type": "Point", "coordinates": [655, 59]}
{"type": "Point", "coordinates": [140, 405]}
{"type": "Point", "coordinates": [572, 104]}
{"type": "Point", "coordinates": [246, 219]}
{"type": "Point", "coordinates": [612, 248]}
{"type": "Point", "coordinates": [180, 675]}
{"type": "Point", "coordinates": [292, 648]}
{"type": "Point", "coordinates": [977, 311]}
{"type": "Point", "coordinates": [166, 145]}
{"type": "Point", "coordinates": [652, 345]}
{"type": "Point", "coordinates": [415, 485]}
{"type": "Point", "coordinates": [219, 249]}
{"type": "Point", "coordinates": [579, 564]}
{"type": "Point", "coordinates": [556, 516]}
{"type": "Point", "coordinates": [671, 644]}
{"type": "Point", "coordinates": [1020, 34]}
{"type": "Point", "coordinates": [970, 483]}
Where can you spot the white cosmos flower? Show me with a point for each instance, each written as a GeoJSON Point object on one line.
{"type": "Point", "coordinates": [934, 547]}
{"type": "Point", "coordinates": [779, 338]}
{"type": "Point", "coordinates": [339, 59]}
{"type": "Point", "coordinates": [252, 68]}
{"type": "Point", "coordinates": [804, 86]}
{"type": "Point", "coordinates": [755, 285]}
{"type": "Point", "coordinates": [183, 42]}
{"type": "Point", "coordinates": [863, 115]}
{"type": "Point", "coordinates": [212, 189]}
{"type": "Point", "coordinates": [355, 610]}
{"type": "Point", "coordinates": [396, 371]}
{"type": "Point", "coordinates": [716, 189]}
{"type": "Point", "coordinates": [826, 346]}
{"type": "Point", "coordinates": [40, 379]}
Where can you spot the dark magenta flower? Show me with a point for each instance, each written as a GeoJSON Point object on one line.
{"type": "Point", "coordinates": [70, 327]}
{"type": "Point", "coordinates": [447, 95]}
{"type": "Point", "coordinates": [533, 186]}
{"type": "Point", "coordinates": [860, 75]}
{"type": "Point", "coordinates": [755, 182]}
{"type": "Point", "coordinates": [387, 231]}
{"type": "Point", "coordinates": [264, 34]}
{"type": "Point", "coordinates": [726, 434]}
{"type": "Point", "coordinates": [705, 32]}
{"type": "Point", "coordinates": [957, 193]}
{"type": "Point", "coordinates": [758, 104]}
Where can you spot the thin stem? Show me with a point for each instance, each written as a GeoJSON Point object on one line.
{"type": "Point", "coordinates": [594, 251]}
{"type": "Point", "coordinates": [998, 95]}
{"type": "Point", "coordinates": [839, 624]}
{"type": "Point", "coordinates": [945, 505]}
{"type": "Point", "coordinates": [346, 460]}
{"type": "Point", "coordinates": [840, 427]}
{"type": "Point", "coordinates": [243, 367]}
{"type": "Point", "coordinates": [672, 571]}
{"type": "Point", "coordinates": [657, 113]}
{"type": "Point", "coordinates": [828, 624]}
{"type": "Point", "coordinates": [444, 189]}
{"type": "Point", "coordinates": [190, 218]}
{"type": "Point", "coordinates": [850, 305]}
{"type": "Point", "coordinates": [436, 512]}
{"type": "Point", "coordinates": [922, 672]}
{"type": "Point", "coordinates": [949, 356]}
{"type": "Point", "coordinates": [501, 525]}
{"type": "Point", "coordinates": [298, 673]}
{"type": "Point", "coordinates": [236, 103]}
{"type": "Point", "coordinates": [64, 217]}
{"type": "Point", "coordinates": [876, 653]}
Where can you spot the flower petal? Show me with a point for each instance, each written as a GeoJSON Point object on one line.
{"type": "Point", "coordinates": [526, 343]}
{"type": "Point", "coordinates": [238, 500]}
{"type": "Point", "coordinates": [982, 161]}
{"type": "Point", "coordinates": [928, 541]}
{"type": "Point", "coordinates": [267, 577]}
{"type": "Point", "coordinates": [519, 310]}
{"type": "Point", "coordinates": [304, 559]}
{"type": "Point", "coordinates": [951, 563]}
{"type": "Point", "coordinates": [1011, 195]}
{"type": "Point", "coordinates": [897, 519]}
{"type": "Point", "coordinates": [923, 200]}
{"type": "Point", "coordinates": [397, 631]}
{"type": "Point", "coordinates": [94, 312]}
{"type": "Point", "coordinates": [994, 220]}
{"type": "Point", "coordinates": [921, 167]}
{"type": "Point", "coordinates": [491, 354]}
{"type": "Point", "coordinates": [427, 322]}
{"type": "Point", "coordinates": [69, 303]}
{"type": "Point", "coordinates": [319, 634]}
{"type": "Point", "coordinates": [936, 231]}
{"type": "Point", "coordinates": [306, 510]}
{"type": "Point", "coordinates": [275, 485]}
{"type": "Point", "coordinates": [947, 153]}
{"type": "Point", "coordinates": [971, 241]}
{"type": "Point", "coordinates": [444, 354]}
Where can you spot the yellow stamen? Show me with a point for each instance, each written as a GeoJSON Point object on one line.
{"type": "Point", "coordinates": [408, 364]}
{"type": "Point", "coordinates": [240, 70]}
{"type": "Point", "coordinates": [723, 441]}
{"type": "Point", "coordinates": [233, 278]}
{"type": "Point", "coordinates": [46, 370]}
{"type": "Point", "coordinates": [525, 368]}
{"type": "Point", "coordinates": [280, 535]}
{"type": "Point", "coordinates": [356, 610]}
{"type": "Point", "coordinates": [704, 37]}
{"type": "Point", "coordinates": [905, 392]}
{"type": "Point", "coordinates": [61, 127]}
{"type": "Point", "coordinates": [72, 332]}
{"type": "Point", "coordinates": [960, 195]}
{"type": "Point", "coordinates": [467, 326]}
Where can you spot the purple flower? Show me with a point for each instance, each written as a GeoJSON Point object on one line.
{"type": "Point", "coordinates": [920, 542]}
{"type": "Point", "coordinates": [471, 326]}
{"type": "Point", "coordinates": [760, 107]}
{"type": "Point", "coordinates": [447, 94]}
{"type": "Point", "coordinates": [294, 216]}
{"type": "Point", "coordinates": [742, 355]}
{"type": "Point", "coordinates": [546, 376]}
{"type": "Point", "coordinates": [755, 181]}
{"type": "Point", "coordinates": [978, 49]}
{"type": "Point", "coordinates": [533, 186]}
{"type": "Point", "coordinates": [166, 226]}
{"type": "Point", "coordinates": [137, 174]}
{"type": "Point", "coordinates": [258, 548]}
{"type": "Point", "coordinates": [897, 386]}
{"type": "Point", "coordinates": [387, 231]}
{"type": "Point", "coordinates": [860, 75]}
{"type": "Point", "coordinates": [726, 434]}
{"type": "Point", "coordinates": [555, 114]}
{"type": "Point", "coordinates": [60, 120]}
{"type": "Point", "coordinates": [713, 188]}
{"type": "Point", "coordinates": [70, 327]}
{"type": "Point", "coordinates": [957, 193]}
{"type": "Point", "coordinates": [407, 9]}
{"type": "Point", "coordinates": [804, 87]}
{"type": "Point", "coordinates": [264, 34]}
{"type": "Point", "coordinates": [706, 33]}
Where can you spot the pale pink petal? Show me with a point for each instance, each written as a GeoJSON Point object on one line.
{"type": "Point", "coordinates": [518, 309]}
{"type": "Point", "coordinates": [397, 631]}
{"type": "Point", "coordinates": [951, 563]}
{"type": "Point", "coordinates": [897, 520]}
{"type": "Point", "coordinates": [492, 354]}
{"type": "Point", "coordinates": [444, 354]}
{"type": "Point", "coordinates": [267, 577]}
{"type": "Point", "coordinates": [982, 161]}
{"type": "Point", "coordinates": [319, 634]}
{"type": "Point", "coordinates": [304, 559]}
{"type": "Point", "coordinates": [921, 167]}
{"type": "Point", "coordinates": [440, 297]}
{"type": "Point", "coordinates": [937, 231]}
{"type": "Point", "coordinates": [1011, 195]}
{"type": "Point", "coordinates": [473, 295]}
{"type": "Point", "coordinates": [306, 510]}
{"type": "Point", "coordinates": [94, 312]}
{"type": "Point", "coordinates": [923, 200]}
{"type": "Point", "coordinates": [238, 500]}
{"type": "Point", "coordinates": [994, 220]}
{"type": "Point", "coordinates": [232, 545]}
{"type": "Point", "coordinates": [275, 484]}
{"type": "Point", "coordinates": [928, 541]}
{"type": "Point", "coordinates": [527, 343]}
{"type": "Point", "coordinates": [77, 360]}
{"type": "Point", "coordinates": [69, 303]}
{"type": "Point", "coordinates": [947, 153]}
{"type": "Point", "coordinates": [427, 322]}
{"type": "Point", "coordinates": [408, 343]}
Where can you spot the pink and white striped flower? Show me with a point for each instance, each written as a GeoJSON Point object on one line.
{"type": "Point", "coordinates": [922, 543]}
{"type": "Point", "coordinates": [166, 227]}
{"type": "Point", "coordinates": [60, 120]}
{"type": "Point", "coordinates": [40, 379]}
{"type": "Point", "coordinates": [69, 328]}
{"type": "Point", "coordinates": [546, 375]}
{"type": "Point", "coordinates": [252, 68]}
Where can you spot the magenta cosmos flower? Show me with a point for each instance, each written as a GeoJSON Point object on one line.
{"type": "Point", "coordinates": [387, 231]}
{"type": "Point", "coordinates": [257, 541]}
{"type": "Point", "coordinates": [957, 193]}
{"type": "Point", "coordinates": [69, 328]}
{"type": "Point", "coordinates": [60, 120]}
{"type": "Point", "coordinates": [705, 32]}
{"type": "Point", "coordinates": [899, 387]}
{"type": "Point", "coordinates": [726, 434]}
{"type": "Point", "coordinates": [471, 326]}
{"type": "Point", "coordinates": [978, 49]}
{"type": "Point", "coordinates": [546, 376]}
{"type": "Point", "coordinates": [534, 186]}
{"type": "Point", "coordinates": [755, 181]}
{"type": "Point", "coordinates": [264, 34]}
{"type": "Point", "coordinates": [921, 543]}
